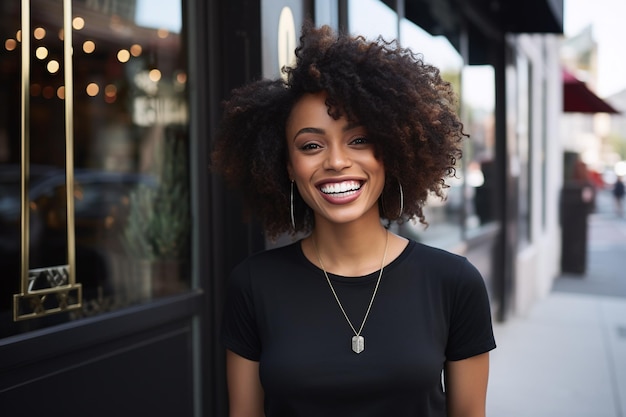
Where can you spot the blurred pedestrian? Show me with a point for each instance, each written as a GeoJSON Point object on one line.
{"type": "Point", "coordinates": [351, 319]}
{"type": "Point", "coordinates": [618, 195]}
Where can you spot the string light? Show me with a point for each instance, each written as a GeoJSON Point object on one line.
{"type": "Point", "coordinates": [53, 66]}
{"type": "Point", "coordinates": [39, 33]}
{"type": "Point", "coordinates": [154, 75]}
{"type": "Point", "coordinates": [41, 52]}
{"type": "Point", "coordinates": [92, 89]}
{"type": "Point", "coordinates": [123, 55]}
{"type": "Point", "coordinates": [48, 92]}
{"type": "Point", "coordinates": [78, 23]}
{"type": "Point", "coordinates": [89, 47]}
{"type": "Point", "coordinates": [135, 50]}
{"type": "Point", "coordinates": [10, 44]}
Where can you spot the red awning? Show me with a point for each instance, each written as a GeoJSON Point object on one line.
{"type": "Point", "coordinates": [578, 98]}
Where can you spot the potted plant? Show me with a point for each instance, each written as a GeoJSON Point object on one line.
{"type": "Point", "coordinates": [157, 232]}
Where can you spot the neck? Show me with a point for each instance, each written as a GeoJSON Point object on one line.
{"type": "Point", "coordinates": [352, 249]}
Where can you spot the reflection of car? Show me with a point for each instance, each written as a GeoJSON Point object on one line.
{"type": "Point", "coordinates": [100, 210]}
{"type": "Point", "coordinates": [10, 187]}
{"type": "Point", "coordinates": [100, 199]}
{"type": "Point", "coordinates": [97, 195]}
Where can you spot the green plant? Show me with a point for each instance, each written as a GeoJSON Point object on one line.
{"type": "Point", "coordinates": [158, 223]}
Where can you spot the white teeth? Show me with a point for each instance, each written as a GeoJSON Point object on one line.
{"type": "Point", "coordinates": [341, 187]}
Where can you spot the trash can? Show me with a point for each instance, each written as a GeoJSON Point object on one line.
{"type": "Point", "coordinates": [576, 204]}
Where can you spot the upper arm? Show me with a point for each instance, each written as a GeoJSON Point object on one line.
{"type": "Point", "coordinates": [245, 393]}
{"type": "Point", "coordinates": [466, 386]}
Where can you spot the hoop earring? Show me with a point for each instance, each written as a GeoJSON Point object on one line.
{"type": "Point", "coordinates": [401, 200]}
{"type": "Point", "coordinates": [293, 221]}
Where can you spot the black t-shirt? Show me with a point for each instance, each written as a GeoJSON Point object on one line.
{"type": "Point", "coordinates": [431, 307]}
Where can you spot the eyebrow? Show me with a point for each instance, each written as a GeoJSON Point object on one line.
{"type": "Point", "coordinates": [319, 131]}
{"type": "Point", "coordinates": [308, 130]}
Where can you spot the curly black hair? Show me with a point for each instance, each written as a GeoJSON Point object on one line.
{"type": "Point", "coordinates": [408, 110]}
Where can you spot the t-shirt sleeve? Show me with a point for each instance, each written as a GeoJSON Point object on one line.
{"type": "Point", "coordinates": [470, 331]}
{"type": "Point", "coordinates": [239, 332]}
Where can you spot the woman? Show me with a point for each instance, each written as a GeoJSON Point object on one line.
{"type": "Point", "coordinates": [351, 320]}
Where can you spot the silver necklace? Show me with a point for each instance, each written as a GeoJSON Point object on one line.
{"type": "Point", "coordinates": [358, 341]}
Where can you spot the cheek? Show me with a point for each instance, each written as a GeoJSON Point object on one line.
{"type": "Point", "coordinates": [300, 174]}
{"type": "Point", "coordinates": [300, 167]}
{"type": "Point", "coordinates": [378, 169]}
{"type": "Point", "coordinates": [374, 165]}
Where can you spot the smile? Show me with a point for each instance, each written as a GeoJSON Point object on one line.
{"type": "Point", "coordinates": [341, 189]}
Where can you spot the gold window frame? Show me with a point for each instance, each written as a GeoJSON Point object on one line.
{"type": "Point", "coordinates": [60, 286]}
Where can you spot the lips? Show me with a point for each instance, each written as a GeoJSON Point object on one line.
{"type": "Point", "coordinates": [341, 189]}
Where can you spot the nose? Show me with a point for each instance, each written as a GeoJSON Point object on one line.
{"type": "Point", "coordinates": [337, 158]}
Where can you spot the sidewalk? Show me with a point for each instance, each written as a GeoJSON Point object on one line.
{"type": "Point", "coordinates": [567, 358]}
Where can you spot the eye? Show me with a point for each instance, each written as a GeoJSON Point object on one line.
{"type": "Point", "coordinates": [361, 140]}
{"type": "Point", "coordinates": [310, 146]}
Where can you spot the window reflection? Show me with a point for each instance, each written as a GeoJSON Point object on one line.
{"type": "Point", "coordinates": [131, 143]}
{"type": "Point", "coordinates": [444, 217]}
{"type": "Point", "coordinates": [469, 199]}
{"type": "Point", "coordinates": [479, 119]}
{"type": "Point", "coordinates": [523, 119]}
{"type": "Point", "coordinates": [371, 19]}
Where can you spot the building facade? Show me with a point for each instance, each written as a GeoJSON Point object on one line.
{"type": "Point", "coordinates": [116, 239]}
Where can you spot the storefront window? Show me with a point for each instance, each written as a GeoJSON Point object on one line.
{"type": "Point", "coordinates": [469, 204]}
{"type": "Point", "coordinates": [130, 132]}
{"type": "Point", "coordinates": [444, 217]}
{"type": "Point", "coordinates": [371, 19]}
{"type": "Point", "coordinates": [478, 99]}
{"type": "Point", "coordinates": [524, 98]}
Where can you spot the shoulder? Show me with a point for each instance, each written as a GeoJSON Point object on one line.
{"type": "Point", "coordinates": [444, 269]}
{"type": "Point", "coordinates": [267, 263]}
{"type": "Point", "coordinates": [269, 257]}
{"type": "Point", "coordinates": [440, 261]}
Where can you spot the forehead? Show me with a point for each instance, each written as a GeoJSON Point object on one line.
{"type": "Point", "coordinates": [312, 110]}
{"type": "Point", "coordinates": [314, 103]}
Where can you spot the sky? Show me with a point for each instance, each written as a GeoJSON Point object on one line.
{"type": "Point", "coordinates": [608, 20]}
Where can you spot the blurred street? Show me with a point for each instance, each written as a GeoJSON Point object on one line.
{"type": "Point", "coordinates": [567, 357]}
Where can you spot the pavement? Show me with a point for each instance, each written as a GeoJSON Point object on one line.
{"type": "Point", "coordinates": [567, 357]}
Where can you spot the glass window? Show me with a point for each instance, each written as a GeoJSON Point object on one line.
{"type": "Point", "coordinates": [479, 155]}
{"type": "Point", "coordinates": [131, 134]}
{"type": "Point", "coordinates": [372, 18]}
{"type": "Point", "coordinates": [326, 13]}
{"type": "Point", "coordinates": [444, 217]}
{"type": "Point", "coordinates": [524, 97]}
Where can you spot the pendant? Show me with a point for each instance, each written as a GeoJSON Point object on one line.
{"type": "Point", "coordinates": [358, 344]}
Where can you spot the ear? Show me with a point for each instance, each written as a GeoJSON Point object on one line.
{"type": "Point", "coordinates": [290, 170]}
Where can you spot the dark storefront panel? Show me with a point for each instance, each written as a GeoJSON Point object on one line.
{"type": "Point", "coordinates": [130, 348]}
{"type": "Point", "coordinates": [133, 364]}
{"type": "Point", "coordinates": [484, 22]}
{"type": "Point", "coordinates": [130, 132]}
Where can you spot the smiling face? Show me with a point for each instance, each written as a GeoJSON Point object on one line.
{"type": "Point", "coordinates": [333, 163]}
